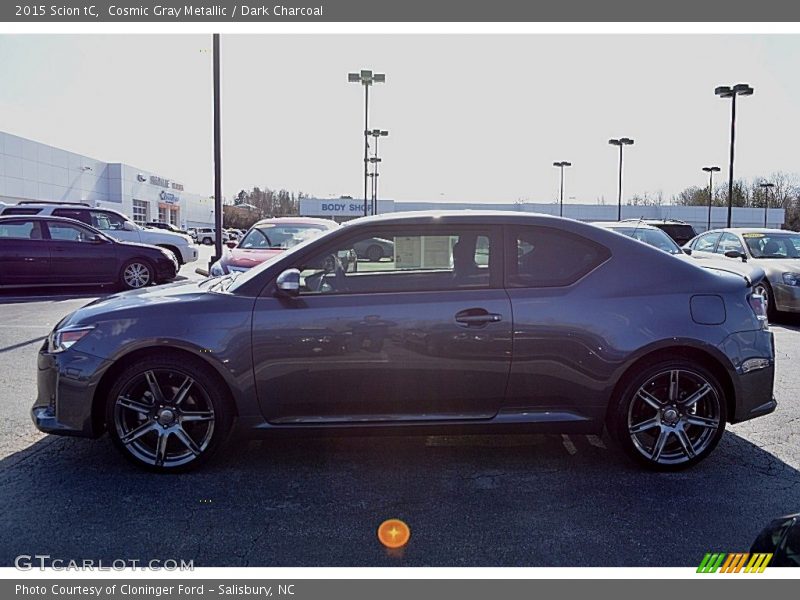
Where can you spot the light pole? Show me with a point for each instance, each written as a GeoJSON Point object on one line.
{"type": "Point", "coordinates": [366, 78]}
{"type": "Point", "coordinates": [766, 186]}
{"type": "Point", "coordinates": [710, 171]}
{"type": "Point", "coordinates": [620, 142]}
{"type": "Point", "coordinates": [217, 154]}
{"type": "Point", "coordinates": [376, 133]}
{"type": "Point", "coordinates": [740, 89]}
{"type": "Point", "coordinates": [561, 165]}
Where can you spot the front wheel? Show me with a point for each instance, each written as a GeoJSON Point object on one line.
{"type": "Point", "coordinates": [670, 416]}
{"type": "Point", "coordinates": [136, 274]}
{"type": "Point", "coordinates": [762, 289]}
{"type": "Point", "coordinates": [167, 414]}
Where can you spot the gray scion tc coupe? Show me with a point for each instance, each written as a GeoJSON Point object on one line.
{"type": "Point", "coordinates": [479, 321]}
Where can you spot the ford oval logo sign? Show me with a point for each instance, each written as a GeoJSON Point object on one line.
{"type": "Point", "coordinates": [168, 197]}
{"type": "Point", "coordinates": [141, 178]}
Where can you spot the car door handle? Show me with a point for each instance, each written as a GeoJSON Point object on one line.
{"type": "Point", "coordinates": [476, 317]}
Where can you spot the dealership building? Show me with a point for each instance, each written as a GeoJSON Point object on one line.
{"type": "Point", "coordinates": [343, 209]}
{"type": "Point", "coordinates": [32, 171]}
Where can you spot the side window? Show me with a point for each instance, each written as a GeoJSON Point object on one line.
{"type": "Point", "coordinates": [706, 243]}
{"type": "Point", "coordinates": [105, 221]}
{"type": "Point", "coordinates": [549, 257]}
{"type": "Point", "coordinates": [14, 210]}
{"type": "Point", "coordinates": [728, 242]}
{"type": "Point", "coordinates": [408, 261]}
{"type": "Point", "coordinates": [21, 230]}
{"type": "Point", "coordinates": [67, 232]}
{"type": "Point", "coordinates": [71, 213]}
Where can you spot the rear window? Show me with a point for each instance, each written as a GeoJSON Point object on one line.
{"type": "Point", "coordinates": [547, 257]}
{"type": "Point", "coordinates": [679, 233]}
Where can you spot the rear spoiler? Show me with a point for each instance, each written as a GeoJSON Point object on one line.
{"type": "Point", "coordinates": [751, 274]}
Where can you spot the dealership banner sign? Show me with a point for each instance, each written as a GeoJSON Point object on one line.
{"type": "Point", "coordinates": [609, 11]}
{"type": "Point", "coordinates": [383, 589]}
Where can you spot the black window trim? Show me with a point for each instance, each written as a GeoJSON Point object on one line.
{"type": "Point", "coordinates": [496, 262]}
{"type": "Point", "coordinates": [510, 252]}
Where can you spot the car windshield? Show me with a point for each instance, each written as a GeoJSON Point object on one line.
{"type": "Point", "coordinates": [250, 274]}
{"type": "Point", "coordinates": [653, 237]}
{"type": "Point", "coordinates": [773, 245]}
{"type": "Point", "coordinates": [279, 237]}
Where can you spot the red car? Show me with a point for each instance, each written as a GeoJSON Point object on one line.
{"type": "Point", "coordinates": [266, 239]}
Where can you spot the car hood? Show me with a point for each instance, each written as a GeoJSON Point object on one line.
{"type": "Point", "coordinates": [165, 237]}
{"type": "Point", "coordinates": [247, 257]}
{"type": "Point", "coordinates": [128, 304]}
{"type": "Point", "coordinates": [777, 266]}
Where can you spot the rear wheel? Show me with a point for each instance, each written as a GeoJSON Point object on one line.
{"type": "Point", "coordinates": [374, 253]}
{"type": "Point", "coordinates": [136, 274]}
{"type": "Point", "coordinates": [166, 414]}
{"type": "Point", "coordinates": [207, 241]}
{"type": "Point", "coordinates": [670, 416]}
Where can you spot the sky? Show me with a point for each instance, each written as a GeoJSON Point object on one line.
{"type": "Point", "coordinates": [471, 118]}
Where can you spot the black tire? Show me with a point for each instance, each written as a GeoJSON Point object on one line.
{"type": "Point", "coordinates": [374, 253]}
{"type": "Point", "coordinates": [764, 287]}
{"type": "Point", "coordinates": [128, 281]}
{"type": "Point", "coordinates": [131, 406]}
{"type": "Point", "coordinates": [207, 241]}
{"type": "Point", "coordinates": [634, 409]}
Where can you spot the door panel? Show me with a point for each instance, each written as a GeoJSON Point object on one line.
{"type": "Point", "coordinates": [402, 356]}
{"type": "Point", "coordinates": [24, 255]}
{"type": "Point", "coordinates": [75, 259]}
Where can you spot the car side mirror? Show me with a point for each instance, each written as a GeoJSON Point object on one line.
{"type": "Point", "coordinates": [736, 254]}
{"type": "Point", "coordinates": [98, 239]}
{"type": "Point", "coordinates": [128, 226]}
{"type": "Point", "coordinates": [231, 243]}
{"type": "Point", "coordinates": [288, 283]}
{"type": "Point", "coordinates": [687, 251]}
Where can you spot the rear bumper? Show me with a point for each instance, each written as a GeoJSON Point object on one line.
{"type": "Point", "coordinates": [752, 354]}
{"type": "Point", "coordinates": [66, 384]}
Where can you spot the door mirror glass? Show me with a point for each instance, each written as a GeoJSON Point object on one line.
{"type": "Point", "coordinates": [288, 283]}
{"type": "Point", "coordinates": [687, 251]}
{"type": "Point", "coordinates": [734, 254]}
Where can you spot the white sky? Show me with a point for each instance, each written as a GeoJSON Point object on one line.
{"type": "Point", "coordinates": [471, 117]}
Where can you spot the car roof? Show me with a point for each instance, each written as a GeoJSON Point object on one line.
{"type": "Point", "coordinates": [42, 218]}
{"type": "Point", "coordinates": [67, 205]}
{"type": "Point", "coordinates": [741, 230]}
{"type": "Point", "coordinates": [622, 225]}
{"type": "Point", "coordinates": [660, 221]}
{"type": "Point", "coordinates": [466, 215]}
{"type": "Point", "coordinates": [299, 220]}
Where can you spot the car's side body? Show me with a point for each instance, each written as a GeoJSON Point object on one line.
{"type": "Point", "coordinates": [57, 251]}
{"type": "Point", "coordinates": [553, 360]}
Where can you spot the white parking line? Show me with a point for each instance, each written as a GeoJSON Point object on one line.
{"type": "Point", "coordinates": [568, 444]}
{"type": "Point", "coordinates": [596, 441]}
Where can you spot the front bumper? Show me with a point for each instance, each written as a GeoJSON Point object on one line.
{"type": "Point", "coordinates": [66, 383]}
{"type": "Point", "coordinates": [188, 253]}
{"type": "Point", "coordinates": [787, 297]}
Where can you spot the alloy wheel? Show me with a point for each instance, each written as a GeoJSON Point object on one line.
{"type": "Point", "coordinates": [674, 417]}
{"type": "Point", "coordinates": [164, 418]}
{"type": "Point", "coordinates": [136, 275]}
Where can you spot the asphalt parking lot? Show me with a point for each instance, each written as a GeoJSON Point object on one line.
{"type": "Point", "coordinates": [491, 501]}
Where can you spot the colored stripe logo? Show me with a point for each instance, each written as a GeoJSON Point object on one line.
{"type": "Point", "coordinates": [734, 562]}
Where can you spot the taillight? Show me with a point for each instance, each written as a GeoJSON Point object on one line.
{"type": "Point", "coordinates": [759, 305]}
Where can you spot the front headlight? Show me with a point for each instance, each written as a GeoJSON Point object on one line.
{"type": "Point", "coordinates": [791, 279]}
{"type": "Point", "coordinates": [217, 270]}
{"type": "Point", "coordinates": [63, 339]}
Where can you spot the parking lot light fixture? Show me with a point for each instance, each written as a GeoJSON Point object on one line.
{"type": "Point", "coordinates": [366, 78]}
{"type": "Point", "coordinates": [561, 165]}
{"type": "Point", "coordinates": [766, 187]}
{"type": "Point", "coordinates": [724, 91]}
{"type": "Point", "coordinates": [377, 134]}
{"type": "Point", "coordinates": [621, 142]}
{"type": "Point", "coordinates": [710, 171]}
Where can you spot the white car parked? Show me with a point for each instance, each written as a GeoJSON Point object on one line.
{"type": "Point", "coordinates": [111, 223]}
